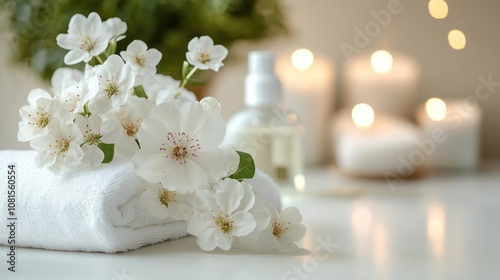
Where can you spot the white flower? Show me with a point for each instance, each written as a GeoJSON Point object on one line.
{"type": "Point", "coordinates": [254, 241]}
{"type": "Point", "coordinates": [163, 203]}
{"type": "Point", "coordinates": [86, 38]}
{"type": "Point", "coordinates": [225, 217]}
{"type": "Point", "coordinates": [36, 116]}
{"type": "Point", "coordinates": [59, 150]}
{"type": "Point", "coordinates": [274, 230]}
{"type": "Point", "coordinates": [179, 146]}
{"type": "Point", "coordinates": [73, 88]}
{"type": "Point", "coordinates": [70, 98]}
{"type": "Point", "coordinates": [130, 117]}
{"type": "Point", "coordinates": [210, 104]}
{"type": "Point", "coordinates": [233, 159]}
{"type": "Point", "coordinates": [116, 28]}
{"type": "Point", "coordinates": [65, 77]}
{"type": "Point", "coordinates": [95, 131]}
{"type": "Point", "coordinates": [116, 81]}
{"type": "Point", "coordinates": [285, 228]}
{"type": "Point", "coordinates": [143, 61]}
{"type": "Point", "coordinates": [161, 89]}
{"type": "Point", "coordinates": [204, 55]}
{"type": "Point", "coordinates": [154, 84]}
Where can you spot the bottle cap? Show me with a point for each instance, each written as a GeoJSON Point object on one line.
{"type": "Point", "coordinates": [262, 86]}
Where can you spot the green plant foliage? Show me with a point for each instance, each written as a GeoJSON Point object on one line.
{"type": "Point", "coordinates": [246, 167]}
{"type": "Point", "coordinates": [108, 150]}
{"type": "Point", "coordinates": [166, 25]}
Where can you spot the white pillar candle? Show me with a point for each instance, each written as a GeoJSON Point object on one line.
{"type": "Point", "coordinates": [375, 146]}
{"type": "Point", "coordinates": [308, 86]}
{"type": "Point", "coordinates": [388, 82]}
{"type": "Point", "coordinates": [454, 127]}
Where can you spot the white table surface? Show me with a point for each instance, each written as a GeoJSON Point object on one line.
{"type": "Point", "coordinates": [443, 227]}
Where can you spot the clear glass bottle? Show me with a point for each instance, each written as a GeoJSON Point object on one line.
{"type": "Point", "coordinates": [265, 128]}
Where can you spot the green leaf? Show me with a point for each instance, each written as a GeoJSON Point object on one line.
{"type": "Point", "coordinates": [108, 150]}
{"type": "Point", "coordinates": [139, 91]}
{"type": "Point", "coordinates": [185, 69]}
{"type": "Point", "coordinates": [246, 168]}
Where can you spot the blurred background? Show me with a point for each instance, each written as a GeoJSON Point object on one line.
{"type": "Point", "coordinates": [335, 32]}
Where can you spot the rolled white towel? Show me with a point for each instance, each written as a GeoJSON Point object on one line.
{"type": "Point", "coordinates": [265, 187]}
{"type": "Point", "coordinates": [95, 210]}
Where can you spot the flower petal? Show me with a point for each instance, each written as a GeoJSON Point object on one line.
{"type": "Point", "coordinates": [36, 94]}
{"type": "Point", "coordinates": [295, 232]}
{"type": "Point", "coordinates": [219, 52]}
{"type": "Point", "coordinates": [208, 240]}
{"type": "Point", "coordinates": [185, 177]}
{"type": "Point", "coordinates": [93, 156]}
{"type": "Point", "coordinates": [262, 218]}
{"type": "Point", "coordinates": [211, 126]}
{"type": "Point", "coordinates": [213, 163]}
{"type": "Point", "coordinates": [152, 135]}
{"type": "Point", "coordinates": [65, 41]}
{"type": "Point", "coordinates": [153, 204]}
{"type": "Point", "coordinates": [248, 199]}
{"type": "Point", "coordinates": [292, 215]}
{"type": "Point", "coordinates": [205, 43]}
{"type": "Point", "coordinates": [229, 194]}
{"type": "Point", "coordinates": [168, 114]}
{"type": "Point", "coordinates": [76, 22]}
{"type": "Point", "coordinates": [199, 224]}
{"type": "Point", "coordinates": [224, 241]}
{"type": "Point", "coordinates": [202, 200]}
{"type": "Point", "coordinates": [149, 166]}
{"type": "Point", "coordinates": [243, 223]}
{"type": "Point", "coordinates": [193, 43]}
{"type": "Point", "coordinates": [126, 145]}
{"type": "Point", "coordinates": [153, 56]}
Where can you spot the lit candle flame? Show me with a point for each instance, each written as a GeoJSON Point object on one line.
{"type": "Point", "coordinates": [363, 115]}
{"type": "Point", "coordinates": [438, 9]}
{"type": "Point", "coordinates": [381, 61]}
{"type": "Point", "coordinates": [302, 59]}
{"type": "Point", "coordinates": [436, 109]}
{"type": "Point", "coordinates": [457, 39]}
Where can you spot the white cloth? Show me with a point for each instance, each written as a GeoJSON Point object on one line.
{"type": "Point", "coordinates": [95, 210]}
{"type": "Point", "coordinates": [266, 188]}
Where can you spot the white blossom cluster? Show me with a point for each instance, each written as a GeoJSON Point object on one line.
{"type": "Point", "coordinates": [119, 104]}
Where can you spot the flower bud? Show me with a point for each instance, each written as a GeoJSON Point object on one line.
{"type": "Point", "coordinates": [210, 104]}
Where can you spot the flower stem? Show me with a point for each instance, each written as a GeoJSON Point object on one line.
{"type": "Point", "coordinates": [86, 111]}
{"type": "Point", "coordinates": [185, 80]}
{"type": "Point", "coordinates": [99, 59]}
